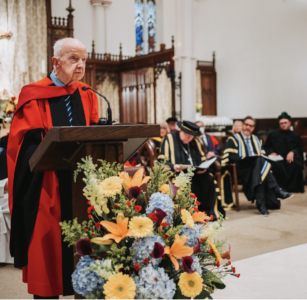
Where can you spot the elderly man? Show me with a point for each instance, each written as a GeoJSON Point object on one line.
{"type": "Point", "coordinates": [288, 144]}
{"type": "Point", "coordinates": [212, 145]}
{"type": "Point", "coordinates": [244, 149]}
{"type": "Point", "coordinates": [39, 201]}
{"type": "Point", "coordinates": [181, 148]}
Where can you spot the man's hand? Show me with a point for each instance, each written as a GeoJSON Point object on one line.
{"type": "Point", "coordinates": [201, 172]}
{"type": "Point", "coordinates": [210, 154]}
{"type": "Point", "coordinates": [290, 157]}
{"type": "Point", "coordinates": [177, 168]}
{"type": "Point", "coordinates": [275, 154]}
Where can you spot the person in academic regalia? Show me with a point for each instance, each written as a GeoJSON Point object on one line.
{"type": "Point", "coordinates": [182, 148]}
{"type": "Point", "coordinates": [213, 147]}
{"type": "Point", "coordinates": [288, 144]}
{"type": "Point", "coordinates": [40, 201]}
{"type": "Point", "coordinates": [164, 130]}
{"type": "Point", "coordinates": [244, 149]}
{"type": "Point", "coordinates": [3, 160]}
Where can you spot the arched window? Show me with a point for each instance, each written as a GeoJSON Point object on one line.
{"type": "Point", "coordinates": [145, 26]}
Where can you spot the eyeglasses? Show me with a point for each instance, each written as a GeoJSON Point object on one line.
{"type": "Point", "coordinates": [248, 125]}
{"type": "Point", "coordinates": [283, 123]}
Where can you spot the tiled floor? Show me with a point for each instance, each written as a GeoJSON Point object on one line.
{"type": "Point", "coordinates": [276, 275]}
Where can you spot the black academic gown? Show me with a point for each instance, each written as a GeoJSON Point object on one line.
{"type": "Point", "coordinates": [288, 175]}
{"type": "Point", "coordinates": [252, 171]}
{"type": "Point", "coordinates": [203, 185]}
{"type": "Point", "coordinates": [3, 160]}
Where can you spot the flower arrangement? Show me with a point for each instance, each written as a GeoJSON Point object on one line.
{"type": "Point", "coordinates": [199, 106]}
{"type": "Point", "coordinates": [145, 245]}
{"type": "Point", "coordinates": [9, 108]}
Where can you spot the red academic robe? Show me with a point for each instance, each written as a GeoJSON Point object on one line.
{"type": "Point", "coordinates": [39, 201]}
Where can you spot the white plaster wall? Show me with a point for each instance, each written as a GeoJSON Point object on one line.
{"type": "Point", "coordinates": [120, 23]}
{"type": "Point", "coordinates": [261, 54]}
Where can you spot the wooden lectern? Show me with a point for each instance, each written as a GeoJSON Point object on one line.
{"type": "Point", "coordinates": [63, 147]}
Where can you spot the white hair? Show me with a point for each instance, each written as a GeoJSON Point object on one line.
{"type": "Point", "coordinates": [58, 45]}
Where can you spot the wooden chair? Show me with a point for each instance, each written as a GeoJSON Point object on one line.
{"type": "Point", "coordinates": [235, 182]}
{"type": "Point", "coordinates": [147, 155]}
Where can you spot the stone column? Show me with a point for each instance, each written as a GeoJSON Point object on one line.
{"type": "Point", "coordinates": [184, 58]}
{"type": "Point", "coordinates": [100, 25]}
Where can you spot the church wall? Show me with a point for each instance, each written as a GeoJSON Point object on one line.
{"type": "Point", "coordinates": [261, 51]}
{"type": "Point", "coordinates": [120, 23]}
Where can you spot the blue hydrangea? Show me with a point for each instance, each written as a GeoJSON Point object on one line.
{"type": "Point", "coordinates": [149, 288]}
{"type": "Point", "coordinates": [86, 281]}
{"type": "Point", "coordinates": [142, 248]}
{"type": "Point", "coordinates": [164, 202]}
{"type": "Point", "coordinates": [192, 235]}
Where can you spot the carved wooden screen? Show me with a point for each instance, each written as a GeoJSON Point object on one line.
{"type": "Point", "coordinates": [134, 96]}
{"type": "Point", "coordinates": [208, 87]}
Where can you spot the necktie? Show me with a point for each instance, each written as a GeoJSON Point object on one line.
{"type": "Point", "coordinates": [248, 145]}
{"type": "Point", "coordinates": [68, 107]}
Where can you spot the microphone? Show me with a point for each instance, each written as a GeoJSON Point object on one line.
{"type": "Point", "coordinates": [109, 111]}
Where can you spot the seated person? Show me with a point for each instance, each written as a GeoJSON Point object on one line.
{"type": "Point", "coordinates": [237, 127]}
{"type": "Point", "coordinates": [244, 149]}
{"type": "Point", "coordinates": [172, 124]}
{"type": "Point", "coordinates": [183, 148]}
{"type": "Point", "coordinates": [289, 145]}
{"type": "Point", "coordinates": [164, 130]}
{"type": "Point", "coordinates": [212, 145]}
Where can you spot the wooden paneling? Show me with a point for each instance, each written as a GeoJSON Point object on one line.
{"type": "Point", "coordinates": [208, 93]}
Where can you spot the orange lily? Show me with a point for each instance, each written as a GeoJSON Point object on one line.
{"type": "Point", "coordinates": [200, 217]}
{"type": "Point", "coordinates": [178, 250]}
{"type": "Point", "coordinates": [119, 231]}
{"type": "Point", "coordinates": [137, 179]}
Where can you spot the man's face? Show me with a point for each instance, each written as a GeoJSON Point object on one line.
{"type": "Point", "coordinates": [248, 127]}
{"type": "Point", "coordinates": [172, 125]}
{"type": "Point", "coordinates": [70, 67]}
{"type": "Point", "coordinates": [284, 124]}
{"type": "Point", "coordinates": [201, 125]}
{"type": "Point", "coordinates": [185, 137]}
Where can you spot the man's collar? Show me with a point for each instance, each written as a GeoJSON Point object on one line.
{"type": "Point", "coordinates": [245, 137]}
{"type": "Point", "coordinates": [55, 80]}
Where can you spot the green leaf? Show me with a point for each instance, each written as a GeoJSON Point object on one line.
{"type": "Point", "coordinates": [211, 280]}
{"type": "Point", "coordinates": [203, 295]}
{"type": "Point", "coordinates": [178, 294]}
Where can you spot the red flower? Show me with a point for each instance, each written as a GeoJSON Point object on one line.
{"type": "Point", "coordinates": [116, 206]}
{"type": "Point", "coordinates": [85, 229]}
{"type": "Point", "coordinates": [90, 209]}
{"type": "Point", "coordinates": [210, 251]}
{"type": "Point", "coordinates": [202, 240]}
{"type": "Point", "coordinates": [13, 98]}
{"type": "Point", "coordinates": [211, 218]}
{"type": "Point", "coordinates": [153, 216]}
{"type": "Point", "coordinates": [166, 236]}
{"type": "Point", "coordinates": [238, 275]}
{"type": "Point", "coordinates": [229, 262]}
{"type": "Point", "coordinates": [193, 196]}
{"type": "Point", "coordinates": [233, 269]}
{"type": "Point", "coordinates": [156, 278]}
{"type": "Point", "coordinates": [206, 238]}
{"type": "Point", "coordinates": [137, 267]}
{"type": "Point", "coordinates": [137, 208]}
{"type": "Point", "coordinates": [105, 253]}
{"type": "Point", "coordinates": [181, 266]}
{"type": "Point", "coordinates": [196, 209]}
{"type": "Point", "coordinates": [97, 225]}
{"type": "Point", "coordinates": [89, 216]}
{"type": "Point", "coordinates": [96, 257]}
{"type": "Point", "coordinates": [146, 261]}
{"type": "Point", "coordinates": [128, 203]}
{"type": "Point", "coordinates": [164, 224]}
{"type": "Point", "coordinates": [88, 202]}
{"type": "Point", "coordinates": [163, 256]}
{"type": "Point", "coordinates": [217, 263]}
{"type": "Point", "coordinates": [93, 233]}
{"type": "Point", "coordinates": [197, 203]}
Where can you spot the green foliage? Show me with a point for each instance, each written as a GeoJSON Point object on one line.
{"type": "Point", "coordinates": [95, 295]}
{"type": "Point", "coordinates": [159, 175]}
{"type": "Point", "coordinates": [119, 256]}
{"type": "Point", "coordinates": [109, 169]}
{"type": "Point", "coordinates": [212, 281]}
{"type": "Point", "coordinates": [74, 231]}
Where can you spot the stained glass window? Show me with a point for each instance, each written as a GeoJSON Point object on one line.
{"type": "Point", "coordinates": [139, 26]}
{"type": "Point", "coordinates": [151, 24]}
{"type": "Point", "coordinates": [145, 26]}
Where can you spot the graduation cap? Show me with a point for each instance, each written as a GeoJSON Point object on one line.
{"type": "Point", "coordinates": [172, 119]}
{"type": "Point", "coordinates": [284, 115]}
{"type": "Point", "coordinates": [189, 127]}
